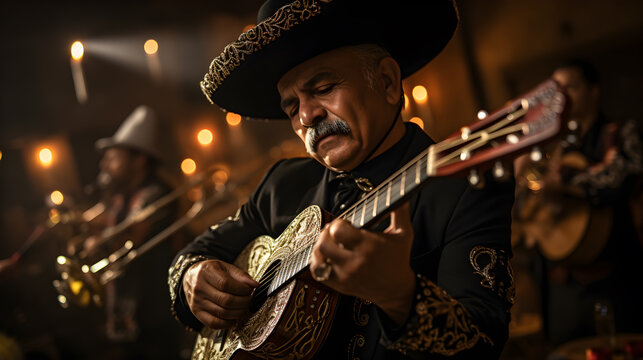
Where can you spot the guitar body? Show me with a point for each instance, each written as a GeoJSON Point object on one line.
{"type": "Point", "coordinates": [565, 228]}
{"type": "Point", "coordinates": [294, 321]}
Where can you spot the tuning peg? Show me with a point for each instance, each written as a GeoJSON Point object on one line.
{"type": "Point", "coordinates": [536, 154]}
{"type": "Point", "coordinates": [475, 180]}
{"type": "Point", "coordinates": [499, 172]}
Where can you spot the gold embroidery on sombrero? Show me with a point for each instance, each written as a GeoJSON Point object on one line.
{"type": "Point", "coordinates": [254, 39]}
{"type": "Point", "coordinates": [438, 324]}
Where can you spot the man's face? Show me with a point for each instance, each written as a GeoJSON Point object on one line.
{"type": "Point", "coordinates": [583, 96]}
{"type": "Point", "coordinates": [347, 115]}
{"type": "Point", "coordinates": [115, 168]}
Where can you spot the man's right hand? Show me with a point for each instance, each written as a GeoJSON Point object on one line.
{"type": "Point", "coordinates": [218, 293]}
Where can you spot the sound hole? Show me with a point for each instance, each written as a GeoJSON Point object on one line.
{"type": "Point", "coordinates": [261, 293]}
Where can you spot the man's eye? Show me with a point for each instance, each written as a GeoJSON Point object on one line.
{"type": "Point", "coordinates": [325, 88]}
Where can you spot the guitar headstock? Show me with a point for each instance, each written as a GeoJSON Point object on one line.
{"type": "Point", "coordinates": [525, 122]}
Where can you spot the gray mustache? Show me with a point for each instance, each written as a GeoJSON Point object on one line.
{"type": "Point", "coordinates": [322, 129]}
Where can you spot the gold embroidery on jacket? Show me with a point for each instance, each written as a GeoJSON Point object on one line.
{"type": "Point", "coordinates": [355, 342]}
{"type": "Point", "coordinates": [439, 324]}
{"type": "Point", "coordinates": [497, 262]}
{"type": "Point", "coordinates": [176, 274]}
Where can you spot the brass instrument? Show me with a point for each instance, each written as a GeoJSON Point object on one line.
{"type": "Point", "coordinates": [82, 279]}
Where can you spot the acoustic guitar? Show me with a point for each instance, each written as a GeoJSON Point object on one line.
{"type": "Point", "coordinates": [564, 227]}
{"type": "Point", "coordinates": [292, 313]}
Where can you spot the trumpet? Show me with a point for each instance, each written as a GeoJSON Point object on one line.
{"type": "Point", "coordinates": [83, 277]}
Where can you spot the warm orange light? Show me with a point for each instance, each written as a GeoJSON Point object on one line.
{"type": "Point", "coordinates": [205, 137]}
{"type": "Point", "coordinates": [188, 166]}
{"type": "Point", "coordinates": [220, 177]}
{"type": "Point", "coordinates": [248, 27]}
{"type": "Point", "coordinates": [56, 197]}
{"type": "Point", "coordinates": [406, 101]}
{"type": "Point", "coordinates": [195, 194]}
{"type": "Point", "coordinates": [151, 47]}
{"type": "Point", "coordinates": [233, 119]}
{"type": "Point", "coordinates": [77, 50]}
{"type": "Point", "coordinates": [0, 154]}
{"type": "Point", "coordinates": [420, 94]}
{"type": "Point", "coordinates": [417, 121]}
{"type": "Point", "coordinates": [45, 156]}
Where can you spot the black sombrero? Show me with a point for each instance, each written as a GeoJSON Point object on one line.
{"type": "Point", "coordinates": [243, 78]}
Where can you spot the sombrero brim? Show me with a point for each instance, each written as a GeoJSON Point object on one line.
{"type": "Point", "coordinates": [243, 79]}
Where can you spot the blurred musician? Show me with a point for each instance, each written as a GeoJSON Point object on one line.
{"type": "Point", "coordinates": [136, 302]}
{"type": "Point", "coordinates": [590, 269]}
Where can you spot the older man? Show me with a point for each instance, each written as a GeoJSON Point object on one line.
{"type": "Point", "coordinates": [431, 280]}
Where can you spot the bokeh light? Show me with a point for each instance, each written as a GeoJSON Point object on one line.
{"type": "Point", "coordinates": [77, 50]}
{"type": "Point", "coordinates": [420, 94]}
{"type": "Point", "coordinates": [418, 121]}
{"type": "Point", "coordinates": [406, 101]}
{"type": "Point", "coordinates": [482, 114]}
{"type": "Point", "coordinates": [188, 166]}
{"type": "Point", "coordinates": [56, 197]}
{"type": "Point", "coordinates": [205, 137]}
{"type": "Point", "coordinates": [46, 156]}
{"type": "Point", "coordinates": [151, 47]}
{"type": "Point", "coordinates": [233, 119]}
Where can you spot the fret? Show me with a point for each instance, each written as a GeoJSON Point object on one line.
{"type": "Point", "coordinates": [388, 195]}
{"type": "Point", "coordinates": [363, 212]}
{"type": "Point", "coordinates": [403, 183]}
{"type": "Point", "coordinates": [375, 206]}
{"type": "Point", "coordinates": [430, 156]}
{"type": "Point", "coordinates": [417, 172]}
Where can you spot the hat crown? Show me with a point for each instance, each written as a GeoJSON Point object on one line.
{"type": "Point", "coordinates": [138, 131]}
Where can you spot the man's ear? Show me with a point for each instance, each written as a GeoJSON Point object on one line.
{"type": "Point", "coordinates": [391, 78]}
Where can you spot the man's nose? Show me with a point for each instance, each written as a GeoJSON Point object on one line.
{"type": "Point", "coordinates": [311, 112]}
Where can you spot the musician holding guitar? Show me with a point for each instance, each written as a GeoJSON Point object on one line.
{"type": "Point", "coordinates": [403, 271]}
{"type": "Point", "coordinates": [591, 174]}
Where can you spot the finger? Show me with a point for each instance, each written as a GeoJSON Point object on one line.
{"type": "Point", "coordinates": [213, 322]}
{"type": "Point", "coordinates": [330, 245]}
{"type": "Point", "coordinates": [230, 279]}
{"type": "Point", "coordinates": [400, 220]}
{"type": "Point", "coordinates": [222, 312]}
{"type": "Point", "coordinates": [344, 234]}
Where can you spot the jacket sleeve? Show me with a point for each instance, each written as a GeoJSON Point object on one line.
{"type": "Point", "coordinates": [461, 308]}
{"type": "Point", "coordinates": [223, 241]}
